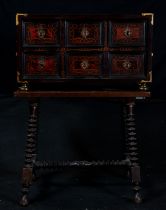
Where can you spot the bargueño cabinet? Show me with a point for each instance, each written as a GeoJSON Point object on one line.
{"type": "Point", "coordinates": [85, 51]}
{"type": "Point", "coordinates": [83, 56]}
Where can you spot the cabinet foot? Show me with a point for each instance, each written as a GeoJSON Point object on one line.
{"type": "Point", "coordinates": [137, 198]}
{"type": "Point", "coordinates": [24, 200]}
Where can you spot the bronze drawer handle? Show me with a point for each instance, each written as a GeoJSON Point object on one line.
{"type": "Point", "coordinates": [84, 32]}
{"type": "Point", "coordinates": [41, 32]}
{"type": "Point", "coordinates": [126, 64]}
{"type": "Point", "coordinates": [127, 32]}
{"type": "Point", "coordinates": [41, 62]}
{"type": "Point", "coordinates": [84, 64]}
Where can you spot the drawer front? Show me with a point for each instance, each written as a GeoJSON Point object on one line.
{"type": "Point", "coordinates": [82, 34]}
{"type": "Point", "coordinates": [40, 66]}
{"type": "Point", "coordinates": [84, 65]}
{"type": "Point", "coordinates": [41, 34]}
{"type": "Point", "coordinates": [127, 65]}
{"type": "Point", "coordinates": [127, 34]}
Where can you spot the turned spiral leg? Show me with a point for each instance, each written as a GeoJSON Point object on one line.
{"type": "Point", "coordinates": [132, 149]}
{"type": "Point", "coordinates": [127, 155]}
{"type": "Point", "coordinates": [30, 151]}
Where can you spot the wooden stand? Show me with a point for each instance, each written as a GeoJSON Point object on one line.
{"type": "Point", "coordinates": [131, 160]}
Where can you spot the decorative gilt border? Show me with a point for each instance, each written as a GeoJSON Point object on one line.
{"type": "Point", "coordinates": [19, 80]}
{"type": "Point", "coordinates": [17, 17]}
{"type": "Point", "coordinates": [149, 14]}
{"type": "Point", "coordinates": [144, 84]}
{"type": "Point", "coordinates": [149, 78]}
{"type": "Point", "coordinates": [24, 84]}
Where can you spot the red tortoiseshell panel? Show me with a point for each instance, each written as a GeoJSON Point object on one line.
{"type": "Point", "coordinates": [127, 34]}
{"type": "Point", "coordinates": [84, 65]}
{"type": "Point", "coordinates": [41, 34]}
{"type": "Point", "coordinates": [127, 64]}
{"type": "Point", "coordinates": [81, 34]}
{"type": "Point", "coordinates": [40, 65]}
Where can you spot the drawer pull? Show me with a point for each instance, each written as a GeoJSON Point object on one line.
{"type": "Point", "coordinates": [84, 64]}
{"type": "Point", "coordinates": [126, 64]}
{"type": "Point", "coordinates": [84, 32]}
{"type": "Point", "coordinates": [41, 32]}
{"type": "Point", "coordinates": [127, 32]}
{"type": "Point", "coordinates": [41, 62]}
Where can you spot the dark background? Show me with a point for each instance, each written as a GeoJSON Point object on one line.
{"type": "Point", "coordinates": [81, 129]}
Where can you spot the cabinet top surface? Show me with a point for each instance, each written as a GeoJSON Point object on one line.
{"type": "Point", "coordinates": [83, 94]}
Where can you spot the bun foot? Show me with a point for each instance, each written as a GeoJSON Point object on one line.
{"type": "Point", "coordinates": [24, 201]}
{"type": "Point", "coordinates": [138, 198]}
